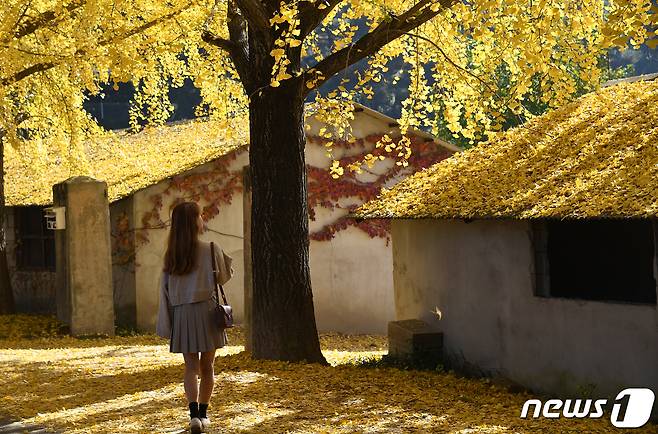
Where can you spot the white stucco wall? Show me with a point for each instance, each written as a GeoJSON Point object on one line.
{"type": "Point", "coordinates": [480, 276]}
{"type": "Point", "coordinates": [351, 275]}
{"type": "Point", "coordinates": [352, 278]}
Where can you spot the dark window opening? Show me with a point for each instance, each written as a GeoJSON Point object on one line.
{"type": "Point", "coordinates": [35, 243]}
{"type": "Point", "coordinates": [607, 260]}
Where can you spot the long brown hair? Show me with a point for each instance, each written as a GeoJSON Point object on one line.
{"type": "Point", "coordinates": [183, 239]}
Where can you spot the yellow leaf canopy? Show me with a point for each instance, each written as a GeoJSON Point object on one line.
{"type": "Point", "coordinates": [595, 157]}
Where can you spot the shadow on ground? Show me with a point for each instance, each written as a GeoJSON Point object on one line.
{"type": "Point", "coordinates": [135, 385]}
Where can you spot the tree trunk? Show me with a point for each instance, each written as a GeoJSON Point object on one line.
{"type": "Point", "coordinates": [283, 317]}
{"type": "Point", "coordinates": [6, 293]}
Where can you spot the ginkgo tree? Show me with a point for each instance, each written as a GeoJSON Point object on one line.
{"type": "Point", "coordinates": [267, 58]}
{"type": "Point", "coordinates": [54, 53]}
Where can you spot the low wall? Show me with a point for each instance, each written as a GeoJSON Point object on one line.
{"type": "Point", "coordinates": [480, 276]}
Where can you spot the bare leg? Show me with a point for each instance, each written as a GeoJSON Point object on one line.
{"type": "Point", "coordinates": [207, 376]}
{"type": "Point", "coordinates": [190, 379]}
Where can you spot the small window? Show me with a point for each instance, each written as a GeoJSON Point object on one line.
{"type": "Point", "coordinates": [35, 243]}
{"type": "Point", "coordinates": [606, 260]}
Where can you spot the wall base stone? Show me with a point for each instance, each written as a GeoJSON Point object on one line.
{"type": "Point", "coordinates": [415, 340]}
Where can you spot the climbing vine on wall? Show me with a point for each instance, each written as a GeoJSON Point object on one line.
{"type": "Point", "coordinates": [215, 187]}
{"type": "Point", "coordinates": [326, 191]}
{"type": "Point", "coordinates": [210, 189]}
{"type": "Point", "coordinates": [123, 244]}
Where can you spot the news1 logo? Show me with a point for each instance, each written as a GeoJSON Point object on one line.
{"type": "Point", "coordinates": [631, 408]}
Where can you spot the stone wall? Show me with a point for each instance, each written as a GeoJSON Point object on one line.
{"type": "Point", "coordinates": [348, 273]}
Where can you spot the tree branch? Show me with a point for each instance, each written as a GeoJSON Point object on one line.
{"type": "Point", "coordinates": [144, 27]}
{"type": "Point", "coordinates": [453, 63]}
{"type": "Point", "coordinates": [256, 14]}
{"type": "Point", "coordinates": [222, 43]}
{"type": "Point", "coordinates": [209, 38]}
{"type": "Point", "coordinates": [44, 66]}
{"type": "Point", "coordinates": [237, 46]}
{"type": "Point", "coordinates": [47, 18]}
{"type": "Point", "coordinates": [369, 44]}
{"type": "Point", "coordinates": [20, 75]}
{"type": "Point", "coordinates": [310, 16]}
{"type": "Point", "coordinates": [238, 34]}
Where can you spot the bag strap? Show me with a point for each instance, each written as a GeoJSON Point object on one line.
{"type": "Point", "coordinates": [214, 274]}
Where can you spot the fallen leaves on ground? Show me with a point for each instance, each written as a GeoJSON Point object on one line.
{"type": "Point", "coordinates": [131, 384]}
{"type": "Point", "coordinates": [21, 325]}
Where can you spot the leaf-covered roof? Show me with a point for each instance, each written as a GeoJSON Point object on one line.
{"type": "Point", "coordinates": [595, 157]}
{"type": "Point", "coordinates": [127, 162]}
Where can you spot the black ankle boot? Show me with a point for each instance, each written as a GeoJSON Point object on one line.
{"type": "Point", "coordinates": [194, 409]}
{"type": "Point", "coordinates": [202, 410]}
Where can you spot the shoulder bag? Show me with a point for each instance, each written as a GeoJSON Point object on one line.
{"type": "Point", "coordinates": [223, 312]}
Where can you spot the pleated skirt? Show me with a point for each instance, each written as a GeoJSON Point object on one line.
{"type": "Point", "coordinates": [193, 328]}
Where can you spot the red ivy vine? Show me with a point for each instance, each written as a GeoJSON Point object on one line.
{"type": "Point", "coordinates": [213, 188]}
{"type": "Point", "coordinates": [324, 191]}
{"type": "Point", "coordinates": [123, 245]}
{"type": "Point", "coordinates": [216, 187]}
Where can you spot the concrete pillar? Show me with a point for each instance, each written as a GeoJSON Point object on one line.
{"type": "Point", "coordinates": [84, 263]}
{"type": "Point", "coordinates": [246, 212]}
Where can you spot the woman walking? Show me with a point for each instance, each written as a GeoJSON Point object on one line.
{"type": "Point", "coordinates": [187, 306]}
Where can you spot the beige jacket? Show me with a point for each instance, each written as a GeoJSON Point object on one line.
{"type": "Point", "coordinates": [198, 285]}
